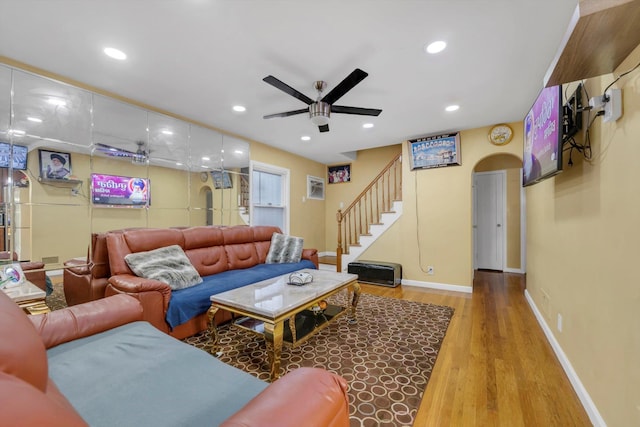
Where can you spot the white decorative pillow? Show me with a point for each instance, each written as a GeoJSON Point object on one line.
{"type": "Point", "coordinates": [168, 264]}
{"type": "Point", "coordinates": [284, 249]}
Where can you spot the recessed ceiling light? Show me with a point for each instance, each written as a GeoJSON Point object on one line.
{"type": "Point", "coordinates": [367, 125]}
{"type": "Point", "coordinates": [239, 108]}
{"type": "Point", "coordinates": [178, 164]}
{"type": "Point", "coordinates": [206, 159]}
{"type": "Point", "coordinates": [239, 152]}
{"type": "Point", "coordinates": [17, 132]}
{"type": "Point", "coordinates": [435, 47]}
{"type": "Point", "coordinates": [305, 138]}
{"type": "Point", "coordinates": [167, 132]}
{"type": "Point", "coordinates": [115, 53]}
{"type": "Point", "coordinates": [452, 107]}
{"type": "Point", "coordinates": [34, 119]}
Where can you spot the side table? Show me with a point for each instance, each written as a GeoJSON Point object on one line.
{"type": "Point", "coordinates": [29, 297]}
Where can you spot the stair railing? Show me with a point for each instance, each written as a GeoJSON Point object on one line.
{"type": "Point", "coordinates": [367, 208]}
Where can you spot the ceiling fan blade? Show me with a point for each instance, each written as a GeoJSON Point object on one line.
{"type": "Point", "coordinates": [324, 128]}
{"type": "Point", "coordinates": [345, 86]}
{"type": "Point", "coordinates": [287, 89]}
{"type": "Point", "coordinates": [287, 113]}
{"type": "Point", "coordinates": [355, 110]}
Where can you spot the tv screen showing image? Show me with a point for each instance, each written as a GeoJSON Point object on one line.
{"type": "Point", "coordinates": [542, 155]}
{"type": "Point", "coordinates": [115, 190]}
{"type": "Point", "coordinates": [19, 156]}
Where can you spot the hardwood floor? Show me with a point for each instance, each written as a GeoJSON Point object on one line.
{"type": "Point", "coordinates": [495, 367]}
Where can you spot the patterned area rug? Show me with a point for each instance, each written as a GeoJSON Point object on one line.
{"type": "Point", "coordinates": [387, 357]}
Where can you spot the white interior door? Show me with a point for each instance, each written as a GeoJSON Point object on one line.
{"type": "Point", "coordinates": [489, 224]}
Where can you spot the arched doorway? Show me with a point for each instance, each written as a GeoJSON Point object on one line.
{"type": "Point", "coordinates": [497, 187]}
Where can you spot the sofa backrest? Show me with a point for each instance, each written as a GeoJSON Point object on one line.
{"type": "Point", "coordinates": [211, 249]}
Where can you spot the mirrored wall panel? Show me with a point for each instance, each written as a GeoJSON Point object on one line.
{"type": "Point", "coordinates": [74, 162]}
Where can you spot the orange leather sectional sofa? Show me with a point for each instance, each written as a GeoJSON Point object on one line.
{"type": "Point", "coordinates": [211, 250]}
{"type": "Point", "coordinates": [81, 366]}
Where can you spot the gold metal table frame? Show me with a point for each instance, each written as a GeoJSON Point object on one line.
{"type": "Point", "coordinates": [273, 321]}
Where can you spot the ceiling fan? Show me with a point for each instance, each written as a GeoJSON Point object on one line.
{"type": "Point", "coordinates": [320, 110]}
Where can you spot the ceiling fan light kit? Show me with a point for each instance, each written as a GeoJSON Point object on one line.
{"type": "Point", "coordinates": [320, 110]}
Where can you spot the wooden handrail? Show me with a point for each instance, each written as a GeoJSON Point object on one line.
{"type": "Point", "coordinates": [367, 208]}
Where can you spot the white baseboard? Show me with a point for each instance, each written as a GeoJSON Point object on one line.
{"type": "Point", "coordinates": [326, 253]}
{"type": "Point", "coordinates": [440, 286]}
{"type": "Point", "coordinates": [513, 270]}
{"type": "Point", "coordinates": [583, 395]}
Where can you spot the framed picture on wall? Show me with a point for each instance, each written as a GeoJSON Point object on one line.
{"type": "Point", "coordinates": [339, 173]}
{"type": "Point", "coordinates": [315, 188]}
{"type": "Point", "coordinates": [435, 151]}
{"type": "Point", "coordinates": [54, 164]}
{"type": "Point", "coordinates": [221, 179]}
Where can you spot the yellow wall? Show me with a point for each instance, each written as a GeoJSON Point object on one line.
{"type": "Point", "coordinates": [307, 216]}
{"type": "Point", "coordinates": [61, 223]}
{"type": "Point", "coordinates": [436, 225]}
{"type": "Point", "coordinates": [583, 232]}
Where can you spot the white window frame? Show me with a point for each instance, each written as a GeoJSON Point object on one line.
{"type": "Point", "coordinates": [286, 176]}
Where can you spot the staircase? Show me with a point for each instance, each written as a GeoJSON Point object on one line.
{"type": "Point", "coordinates": [375, 209]}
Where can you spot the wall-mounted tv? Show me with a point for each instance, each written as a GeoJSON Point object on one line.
{"type": "Point", "coordinates": [19, 156]}
{"type": "Point", "coordinates": [542, 155]}
{"type": "Point", "coordinates": [115, 190]}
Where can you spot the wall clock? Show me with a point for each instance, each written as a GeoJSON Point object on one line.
{"type": "Point", "coordinates": [204, 176]}
{"type": "Point", "coordinates": [500, 134]}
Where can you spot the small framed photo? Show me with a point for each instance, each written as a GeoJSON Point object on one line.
{"type": "Point", "coordinates": [339, 173]}
{"type": "Point", "coordinates": [435, 151]}
{"type": "Point", "coordinates": [221, 179]}
{"type": "Point", "coordinates": [54, 164]}
{"type": "Point", "coordinates": [315, 188]}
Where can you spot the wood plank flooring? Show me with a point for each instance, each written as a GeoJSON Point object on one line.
{"type": "Point", "coordinates": [495, 367]}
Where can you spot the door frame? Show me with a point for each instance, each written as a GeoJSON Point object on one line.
{"type": "Point", "coordinates": [503, 217]}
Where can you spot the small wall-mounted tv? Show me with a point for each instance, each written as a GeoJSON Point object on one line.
{"type": "Point", "coordinates": [542, 155]}
{"type": "Point", "coordinates": [115, 190]}
{"type": "Point", "coordinates": [19, 156]}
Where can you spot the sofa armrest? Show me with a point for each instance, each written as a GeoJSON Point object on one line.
{"type": "Point", "coordinates": [312, 255]}
{"type": "Point", "coordinates": [86, 319]}
{"type": "Point", "coordinates": [130, 284]}
{"type": "Point", "coordinates": [309, 397]}
{"type": "Point", "coordinates": [154, 296]}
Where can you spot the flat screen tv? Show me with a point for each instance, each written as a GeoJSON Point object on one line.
{"type": "Point", "coordinates": [542, 154]}
{"type": "Point", "coordinates": [19, 156]}
{"type": "Point", "coordinates": [115, 190]}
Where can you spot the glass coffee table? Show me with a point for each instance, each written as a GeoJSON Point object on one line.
{"type": "Point", "coordinates": [286, 313]}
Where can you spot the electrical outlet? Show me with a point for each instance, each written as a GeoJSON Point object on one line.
{"type": "Point", "coordinates": [559, 322]}
{"type": "Point", "coordinates": [430, 270]}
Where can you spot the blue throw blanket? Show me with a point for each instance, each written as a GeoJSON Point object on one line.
{"type": "Point", "coordinates": [188, 303]}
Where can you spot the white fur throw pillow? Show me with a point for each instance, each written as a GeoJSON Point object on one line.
{"type": "Point", "coordinates": [168, 264]}
{"type": "Point", "coordinates": [284, 249]}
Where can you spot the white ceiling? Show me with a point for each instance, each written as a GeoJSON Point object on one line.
{"type": "Point", "coordinates": [198, 58]}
